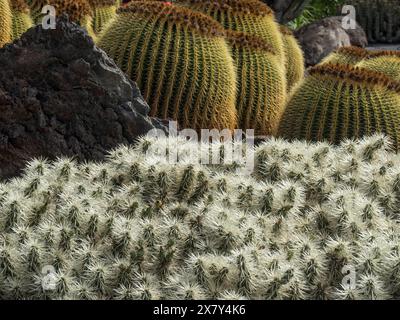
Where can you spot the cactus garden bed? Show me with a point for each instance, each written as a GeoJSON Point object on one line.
{"type": "Point", "coordinates": [137, 227]}
{"type": "Point", "coordinates": [93, 206]}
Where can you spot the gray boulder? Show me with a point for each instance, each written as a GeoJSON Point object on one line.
{"type": "Point", "coordinates": [320, 38]}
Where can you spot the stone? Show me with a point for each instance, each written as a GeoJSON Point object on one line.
{"type": "Point", "coordinates": [60, 95]}
{"type": "Point", "coordinates": [320, 38]}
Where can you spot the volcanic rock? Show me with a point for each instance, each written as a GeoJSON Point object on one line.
{"type": "Point", "coordinates": [287, 10]}
{"type": "Point", "coordinates": [60, 95]}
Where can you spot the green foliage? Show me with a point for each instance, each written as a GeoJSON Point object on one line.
{"type": "Point", "coordinates": [316, 10]}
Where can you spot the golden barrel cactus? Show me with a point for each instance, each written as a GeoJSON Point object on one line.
{"type": "Point", "coordinates": [340, 101]}
{"type": "Point", "coordinates": [250, 16]}
{"type": "Point", "coordinates": [261, 83]}
{"type": "Point", "coordinates": [6, 22]}
{"type": "Point", "coordinates": [387, 62]}
{"type": "Point", "coordinates": [21, 19]}
{"type": "Point", "coordinates": [180, 61]}
{"type": "Point", "coordinates": [346, 55]}
{"type": "Point", "coordinates": [103, 12]}
{"type": "Point", "coordinates": [294, 58]}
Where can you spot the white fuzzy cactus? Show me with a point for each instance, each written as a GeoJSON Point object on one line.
{"type": "Point", "coordinates": [137, 226]}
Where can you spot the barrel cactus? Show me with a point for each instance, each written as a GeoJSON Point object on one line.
{"type": "Point", "coordinates": [294, 58]}
{"type": "Point", "coordinates": [387, 62]}
{"type": "Point", "coordinates": [79, 11]}
{"type": "Point", "coordinates": [346, 55]}
{"type": "Point", "coordinates": [250, 16]}
{"type": "Point", "coordinates": [6, 22]}
{"type": "Point", "coordinates": [179, 59]}
{"type": "Point", "coordinates": [340, 101]}
{"type": "Point", "coordinates": [103, 12]}
{"type": "Point", "coordinates": [21, 20]}
{"type": "Point", "coordinates": [261, 83]}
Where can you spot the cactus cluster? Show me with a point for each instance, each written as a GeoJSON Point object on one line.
{"type": "Point", "coordinates": [342, 101]}
{"type": "Point", "coordinates": [248, 65]}
{"type": "Point", "coordinates": [386, 62]}
{"type": "Point", "coordinates": [179, 59]}
{"type": "Point", "coordinates": [79, 11]}
{"type": "Point", "coordinates": [294, 58]}
{"type": "Point", "coordinates": [138, 227]}
{"type": "Point", "coordinates": [36, 7]}
{"type": "Point", "coordinates": [261, 83]}
{"type": "Point", "coordinates": [21, 19]}
{"type": "Point", "coordinates": [346, 55]}
{"type": "Point", "coordinates": [249, 16]}
{"type": "Point", "coordinates": [379, 18]}
{"type": "Point", "coordinates": [5, 22]}
{"type": "Point", "coordinates": [104, 12]}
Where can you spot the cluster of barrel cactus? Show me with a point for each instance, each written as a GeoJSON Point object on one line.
{"type": "Point", "coordinates": [379, 18]}
{"type": "Point", "coordinates": [15, 20]}
{"type": "Point", "coordinates": [179, 59]}
{"type": "Point", "coordinates": [21, 19]}
{"type": "Point", "coordinates": [352, 93]}
{"type": "Point", "coordinates": [17, 16]}
{"type": "Point", "coordinates": [138, 227]}
{"type": "Point", "coordinates": [6, 22]}
{"type": "Point", "coordinates": [208, 64]}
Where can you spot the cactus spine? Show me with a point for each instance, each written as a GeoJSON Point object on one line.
{"type": "Point", "coordinates": [79, 11]}
{"type": "Point", "coordinates": [21, 20]}
{"type": "Point", "coordinates": [294, 58]}
{"type": "Point", "coordinates": [180, 61]}
{"type": "Point", "coordinates": [386, 62]}
{"type": "Point", "coordinates": [339, 101]}
{"type": "Point", "coordinates": [103, 12]}
{"type": "Point", "coordinates": [261, 83]}
{"type": "Point", "coordinates": [346, 55]}
{"type": "Point", "coordinates": [35, 7]}
{"type": "Point", "coordinates": [250, 16]}
{"type": "Point", "coordinates": [6, 22]}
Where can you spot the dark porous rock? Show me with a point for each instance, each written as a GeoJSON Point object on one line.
{"type": "Point", "coordinates": [287, 10]}
{"type": "Point", "coordinates": [320, 38]}
{"type": "Point", "coordinates": [60, 95]}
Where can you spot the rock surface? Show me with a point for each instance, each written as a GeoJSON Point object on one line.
{"type": "Point", "coordinates": [287, 10]}
{"type": "Point", "coordinates": [320, 38]}
{"type": "Point", "coordinates": [61, 95]}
